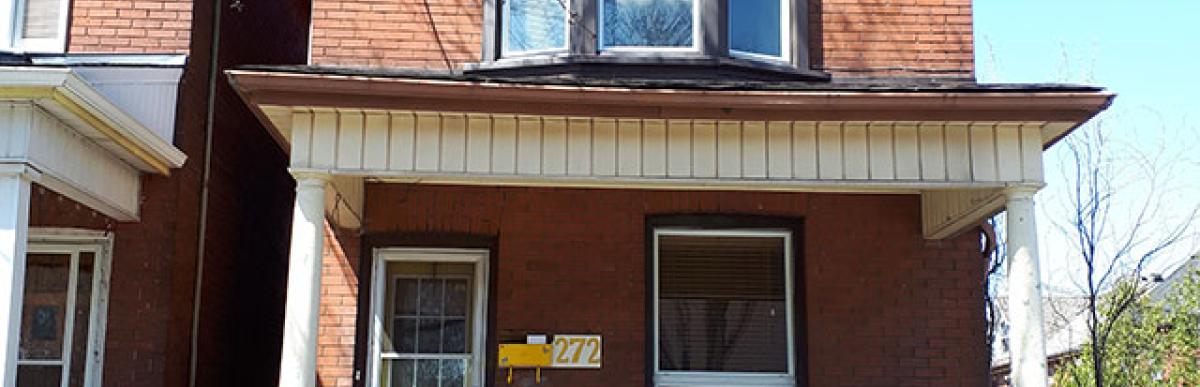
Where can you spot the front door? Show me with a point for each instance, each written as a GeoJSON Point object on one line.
{"type": "Point", "coordinates": [60, 316]}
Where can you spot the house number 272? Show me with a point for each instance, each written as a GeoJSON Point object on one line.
{"type": "Point", "coordinates": [577, 351]}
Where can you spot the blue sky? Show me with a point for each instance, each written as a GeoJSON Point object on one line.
{"type": "Point", "coordinates": [1148, 52]}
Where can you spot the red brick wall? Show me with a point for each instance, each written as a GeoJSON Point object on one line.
{"type": "Point", "coordinates": [339, 303]}
{"type": "Point", "coordinates": [396, 33]}
{"type": "Point", "coordinates": [130, 26]}
{"type": "Point", "coordinates": [850, 38]}
{"type": "Point", "coordinates": [893, 37]}
{"type": "Point", "coordinates": [884, 306]}
{"type": "Point", "coordinates": [50, 209]}
{"type": "Point", "coordinates": [250, 194]}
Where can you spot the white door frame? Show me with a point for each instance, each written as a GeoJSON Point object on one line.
{"type": "Point", "coordinates": [477, 257]}
{"type": "Point", "coordinates": [73, 242]}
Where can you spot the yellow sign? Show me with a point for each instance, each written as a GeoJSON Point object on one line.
{"type": "Point", "coordinates": [577, 351]}
{"type": "Point", "coordinates": [524, 355]}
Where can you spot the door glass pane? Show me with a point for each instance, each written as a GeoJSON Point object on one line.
{"type": "Point", "coordinates": [429, 336]}
{"type": "Point", "coordinates": [399, 373]}
{"type": "Point", "coordinates": [427, 373]}
{"type": "Point", "coordinates": [431, 297]}
{"type": "Point", "coordinates": [454, 372]}
{"type": "Point", "coordinates": [406, 296]}
{"type": "Point", "coordinates": [457, 295]}
{"type": "Point", "coordinates": [754, 26]}
{"type": "Point", "coordinates": [44, 306]}
{"type": "Point", "coordinates": [404, 335]}
{"type": "Point", "coordinates": [39, 376]}
{"type": "Point", "coordinates": [722, 304]}
{"type": "Point", "coordinates": [454, 336]}
{"type": "Point", "coordinates": [534, 25]}
{"type": "Point", "coordinates": [83, 313]}
{"type": "Point", "coordinates": [648, 23]}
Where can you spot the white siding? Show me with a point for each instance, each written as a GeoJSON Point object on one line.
{"type": "Point", "coordinates": [916, 155]}
{"type": "Point", "coordinates": [74, 165]}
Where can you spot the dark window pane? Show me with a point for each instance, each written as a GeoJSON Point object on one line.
{"type": "Point", "coordinates": [754, 26]}
{"type": "Point", "coordinates": [402, 373]}
{"type": "Point", "coordinates": [431, 297]}
{"type": "Point", "coordinates": [453, 372]}
{"type": "Point", "coordinates": [457, 294]}
{"type": "Point", "coordinates": [406, 296]}
{"type": "Point", "coordinates": [39, 376]}
{"type": "Point", "coordinates": [43, 313]}
{"type": "Point", "coordinates": [427, 373]}
{"type": "Point", "coordinates": [83, 310]}
{"type": "Point", "coordinates": [454, 336]}
{"type": "Point", "coordinates": [722, 304]}
{"type": "Point", "coordinates": [535, 25]}
{"type": "Point", "coordinates": [404, 337]}
{"type": "Point", "coordinates": [429, 336]}
{"type": "Point", "coordinates": [648, 23]}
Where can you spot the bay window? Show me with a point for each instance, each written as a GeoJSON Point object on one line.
{"type": "Point", "coordinates": [770, 33]}
{"type": "Point", "coordinates": [535, 26]}
{"type": "Point", "coordinates": [656, 24]}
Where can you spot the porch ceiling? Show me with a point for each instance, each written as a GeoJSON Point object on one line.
{"type": "Point", "coordinates": [956, 148]}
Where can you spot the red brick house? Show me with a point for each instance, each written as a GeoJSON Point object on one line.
{"type": "Point", "coordinates": [142, 206]}
{"type": "Point", "coordinates": [667, 193]}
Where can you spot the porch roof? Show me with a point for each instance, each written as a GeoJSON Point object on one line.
{"type": "Point", "coordinates": [956, 143]}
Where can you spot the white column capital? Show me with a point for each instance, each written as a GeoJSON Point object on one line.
{"type": "Point", "coordinates": [20, 170]}
{"type": "Point", "coordinates": [1021, 191]}
{"type": "Point", "coordinates": [311, 177]}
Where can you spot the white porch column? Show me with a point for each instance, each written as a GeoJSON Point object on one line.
{"type": "Point", "coordinates": [298, 364]}
{"type": "Point", "coordinates": [14, 230]}
{"type": "Point", "coordinates": [1026, 336]}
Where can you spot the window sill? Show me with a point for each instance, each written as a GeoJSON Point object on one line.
{"type": "Point", "coordinates": [669, 65]}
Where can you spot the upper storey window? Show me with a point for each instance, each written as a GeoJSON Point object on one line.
{"type": "Point", "coordinates": [766, 35]}
{"type": "Point", "coordinates": [758, 28]}
{"type": "Point", "coordinates": [535, 26]}
{"type": "Point", "coordinates": [33, 25]}
{"type": "Point", "coordinates": [650, 24]}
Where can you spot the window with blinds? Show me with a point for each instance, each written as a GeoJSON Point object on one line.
{"type": "Point", "coordinates": [723, 302]}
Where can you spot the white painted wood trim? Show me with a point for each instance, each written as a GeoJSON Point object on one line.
{"type": "Point", "coordinates": [15, 184]}
{"type": "Point", "coordinates": [1028, 340]}
{"type": "Point", "coordinates": [483, 146]}
{"type": "Point", "coordinates": [478, 257]}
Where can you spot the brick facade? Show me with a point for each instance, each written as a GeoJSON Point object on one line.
{"type": "Point", "coordinates": [849, 38]}
{"type": "Point", "coordinates": [899, 310]}
{"type": "Point", "coordinates": [152, 292]}
{"type": "Point", "coordinates": [130, 26]}
{"type": "Point", "coordinates": [922, 38]}
{"type": "Point", "coordinates": [339, 308]}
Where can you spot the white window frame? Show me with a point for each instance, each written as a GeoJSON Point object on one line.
{"type": "Point", "coordinates": [12, 16]}
{"type": "Point", "coordinates": [650, 50]}
{"type": "Point", "coordinates": [74, 243]}
{"type": "Point", "coordinates": [711, 378]}
{"type": "Point", "coordinates": [785, 37]}
{"type": "Point", "coordinates": [478, 258]}
{"type": "Point", "coordinates": [505, 25]}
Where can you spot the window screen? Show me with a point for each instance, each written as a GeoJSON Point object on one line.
{"type": "Point", "coordinates": [722, 303]}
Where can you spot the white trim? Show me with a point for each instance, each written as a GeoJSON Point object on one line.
{"type": "Point", "coordinates": [649, 50]}
{"type": "Point", "coordinates": [478, 257]}
{"type": "Point", "coordinates": [153, 60]}
{"type": "Point", "coordinates": [74, 242]}
{"type": "Point", "coordinates": [691, 378]}
{"type": "Point", "coordinates": [504, 25]}
{"type": "Point", "coordinates": [785, 38]}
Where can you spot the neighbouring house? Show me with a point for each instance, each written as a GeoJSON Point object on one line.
{"type": "Point", "coordinates": [143, 208]}
{"type": "Point", "coordinates": [1066, 322]}
{"type": "Point", "coordinates": [653, 193]}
